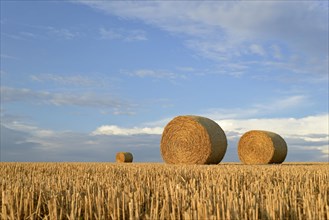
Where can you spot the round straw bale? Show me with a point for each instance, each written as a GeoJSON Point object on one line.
{"type": "Point", "coordinates": [193, 140]}
{"type": "Point", "coordinates": [262, 147]}
{"type": "Point", "coordinates": [124, 157]}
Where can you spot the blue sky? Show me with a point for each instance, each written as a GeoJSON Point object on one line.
{"type": "Point", "coordinates": [82, 80]}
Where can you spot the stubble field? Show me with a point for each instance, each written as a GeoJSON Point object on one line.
{"type": "Point", "coordinates": [160, 191]}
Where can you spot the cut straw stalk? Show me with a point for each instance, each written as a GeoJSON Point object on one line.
{"type": "Point", "coordinates": [124, 157]}
{"type": "Point", "coordinates": [193, 140]}
{"type": "Point", "coordinates": [262, 147]}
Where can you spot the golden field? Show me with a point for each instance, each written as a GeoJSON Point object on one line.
{"type": "Point", "coordinates": [160, 191]}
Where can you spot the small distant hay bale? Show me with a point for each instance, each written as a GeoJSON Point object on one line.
{"type": "Point", "coordinates": [262, 147]}
{"type": "Point", "coordinates": [124, 157]}
{"type": "Point", "coordinates": [193, 140]}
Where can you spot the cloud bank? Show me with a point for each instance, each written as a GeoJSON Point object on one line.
{"type": "Point", "coordinates": [307, 140]}
{"type": "Point", "coordinates": [301, 134]}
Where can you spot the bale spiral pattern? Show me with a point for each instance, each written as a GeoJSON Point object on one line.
{"type": "Point", "coordinates": [262, 147]}
{"type": "Point", "coordinates": [193, 140]}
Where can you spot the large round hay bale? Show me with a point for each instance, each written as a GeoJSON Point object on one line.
{"type": "Point", "coordinates": [193, 140]}
{"type": "Point", "coordinates": [262, 147]}
{"type": "Point", "coordinates": [124, 157]}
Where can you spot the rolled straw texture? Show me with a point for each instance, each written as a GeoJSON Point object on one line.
{"type": "Point", "coordinates": [124, 157]}
{"type": "Point", "coordinates": [193, 140]}
{"type": "Point", "coordinates": [262, 147]}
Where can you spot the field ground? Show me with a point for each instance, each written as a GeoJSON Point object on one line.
{"type": "Point", "coordinates": [160, 191]}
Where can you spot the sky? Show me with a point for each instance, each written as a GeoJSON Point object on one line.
{"type": "Point", "coordinates": [82, 80]}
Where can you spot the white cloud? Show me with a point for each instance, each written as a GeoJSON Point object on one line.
{"type": "Point", "coordinates": [257, 49]}
{"type": "Point", "coordinates": [292, 127]}
{"type": "Point", "coordinates": [62, 32]}
{"type": "Point", "coordinates": [229, 31]}
{"type": "Point", "coordinates": [160, 74]}
{"type": "Point", "coordinates": [107, 101]}
{"type": "Point", "coordinates": [122, 34]}
{"type": "Point", "coordinates": [13, 36]}
{"type": "Point", "coordinates": [151, 73]}
{"type": "Point", "coordinates": [325, 150]}
{"type": "Point", "coordinates": [28, 34]}
{"type": "Point", "coordinates": [40, 32]}
{"type": "Point", "coordinates": [116, 130]}
{"type": "Point", "coordinates": [6, 56]}
{"type": "Point", "coordinates": [73, 80]}
{"type": "Point", "coordinates": [276, 51]}
{"type": "Point", "coordinates": [23, 127]}
{"type": "Point", "coordinates": [159, 123]}
{"type": "Point", "coordinates": [266, 109]}
{"type": "Point", "coordinates": [283, 103]}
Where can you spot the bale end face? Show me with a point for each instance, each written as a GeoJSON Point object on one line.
{"type": "Point", "coordinates": [193, 140]}
{"type": "Point", "coordinates": [124, 157]}
{"type": "Point", "coordinates": [261, 147]}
